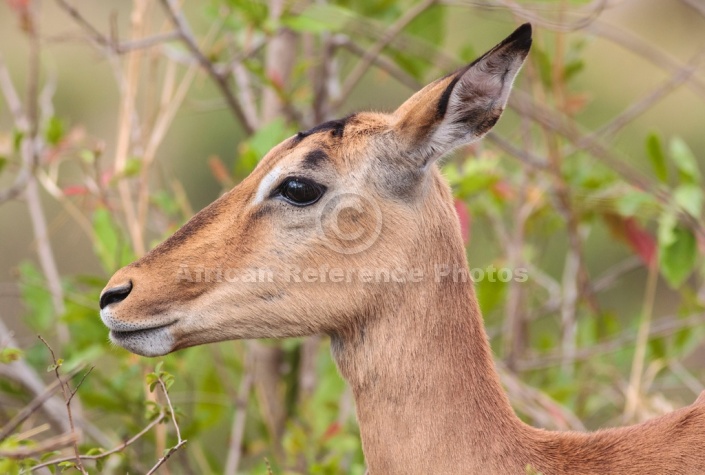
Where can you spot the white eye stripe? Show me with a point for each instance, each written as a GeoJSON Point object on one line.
{"type": "Point", "coordinates": [266, 184]}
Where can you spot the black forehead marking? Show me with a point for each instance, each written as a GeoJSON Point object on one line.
{"type": "Point", "coordinates": [336, 126]}
{"type": "Point", "coordinates": [314, 158]}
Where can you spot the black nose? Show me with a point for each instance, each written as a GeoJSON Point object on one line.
{"type": "Point", "coordinates": [116, 294]}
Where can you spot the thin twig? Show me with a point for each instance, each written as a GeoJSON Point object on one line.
{"type": "Point", "coordinates": [34, 405]}
{"type": "Point", "coordinates": [364, 64]}
{"type": "Point", "coordinates": [184, 31]}
{"type": "Point", "coordinates": [83, 378]}
{"type": "Point", "coordinates": [48, 445]}
{"type": "Point", "coordinates": [110, 43]}
{"type": "Point", "coordinates": [663, 327]}
{"type": "Point", "coordinates": [14, 104]}
{"type": "Point", "coordinates": [639, 107]}
{"type": "Point", "coordinates": [635, 379]}
{"type": "Point", "coordinates": [391, 68]}
{"type": "Point", "coordinates": [67, 397]}
{"type": "Point", "coordinates": [238, 427]}
{"type": "Point", "coordinates": [180, 442]}
{"type": "Point", "coordinates": [119, 448]}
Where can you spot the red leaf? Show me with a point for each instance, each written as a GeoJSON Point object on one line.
{"type": "Point", "coordinates": [503, 190]}
{"type": "Point", "coordinates": [75, 190]}
{"type": "Point", "coordinates": [276, 78]}
{"type": "Point", "coordinates": [464, 217]}
{"type": "Point", "coordinates": [105, 177]}
{"type": "Point", "coordinates": [636, 237]}
{"type": "Point", "coordinates": [332, 430]}
{"type": "Point", "coordinates": [20, 5]}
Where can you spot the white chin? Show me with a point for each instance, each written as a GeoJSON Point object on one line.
{"type": "Point", "coordinates": [156, 342]}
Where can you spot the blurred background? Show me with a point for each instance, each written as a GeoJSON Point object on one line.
{"type": "Point", "coordinates": [120, 120]}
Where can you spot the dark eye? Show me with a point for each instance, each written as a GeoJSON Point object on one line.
{"type": "Point", "coordinates": [301, 192]}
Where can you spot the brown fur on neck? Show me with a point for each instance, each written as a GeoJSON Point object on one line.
{"type": "Point", "coordinates": [429, 399]}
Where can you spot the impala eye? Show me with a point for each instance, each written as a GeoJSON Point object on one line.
{"type": "Point", "coordinates": [301, 192]}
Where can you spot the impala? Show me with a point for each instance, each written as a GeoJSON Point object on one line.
{"type": "Point", "coordinates": [349, 230]}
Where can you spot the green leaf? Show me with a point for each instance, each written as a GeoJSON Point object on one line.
{"type": "Point", "coordinates": [320, 18]}
{"type": "Point", "coordinates": [36, 297]}
{"type": "Point", "coordinates": [655, 153]}
{"type": "Point", "coordinates": [66, 465]}
{"type": "Point", "coordinates": [685, 161]}
{"type": "Point", "coordinates": [17, 137]}
{"type": "Point", "coordinates": [678, 256]}
{"type": "Point", "coordinates": [133, 166]}
{"type": "Point", "coordinates": [633, 202]}
{"type": "Point", "coordinates": [47, 455]}
{"type": "Point", "coordinates": [658, 347]}
{"type": "Point", "coordinates": [151, 379]}
{"type": "Point", "coordinates": [54, 130]}
{"type": "Point", "coordinates": [109, 244]}
{"type": "Point", "coordinates": [666, 226]}
{"type": "Point", "coordinates": [3, 163]}
{"type": "Point", "coordinates": [572, 68]}
{"type": "Point", "coordinates": [55, 366]}
{"type": "Point", "coordinates": [252, 150]}
{"type": "Point", "coordinates": [95, 451]}
{"type": "Point", "coordinates": [690, 197]}
{"type": "Point", "coordinates": [544, 65]}
{"type": "Point", "coordinates": [8, 355]}
{"type": "Point", "coordinates": [429, 30]}
{"type": "Point", "coordinates": [152, 410]}
{"type": "Point", "coordinates": [87, 156]}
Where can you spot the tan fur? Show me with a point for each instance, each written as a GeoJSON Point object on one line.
{"type": "Point", "coordinates": [415, 353]}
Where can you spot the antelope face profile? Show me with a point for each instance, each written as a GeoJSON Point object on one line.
{"type": "Point", "coordinates": [348, 229]}
{"type": "Point", "coordinates": [351, 193]}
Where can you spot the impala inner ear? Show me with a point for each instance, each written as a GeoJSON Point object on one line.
{"type": "Point", "coordinates": [461, 107]}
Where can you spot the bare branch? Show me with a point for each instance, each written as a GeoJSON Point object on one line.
{"type": "Point", "coordinates": [380, 61]}
{"type": "Point", "coordinates": [93, 32]}
{"type": "Point", "coordinates": [48, 445]}
{"type": "Point", "coordinates": [21, 372]}
{"type": "Point", "coordinates": [34, 405]}
{"type": "Point", "coordinates": [119, 448]}
{"type": "Point", "coordinates": [180, 442]}
{"type": "Point", "coordinates": [237, 430]}
{"type": "Point", "coordinates": [67, 397]}
{"type": "Point", "coordinates": [642, 105]}
{"type": "Point", "coordinates": [525, 156]}
{"type": "Point", "coordinates": [364, 64]}
{"type": "Point", "coordinates": [184, 31]}
{"type": "Point", "coordinates": [83, 378]}
{"type": "Point", "coordinates": [662, 327]}
{"type": "Point", "coordinates": [14, 104]}
{"type": "Point", "coordinates": [634, 388]}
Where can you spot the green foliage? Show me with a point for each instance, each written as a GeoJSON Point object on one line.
{"type": "Point", "coordinates": [253, 149]}
{"type": "Point", "coordinates": [657, 157]}
{"type": "Point", "coordinates": [8, 355]}
{"type": "Point", "coordinates": [54, 130]}
{"type": "Point", "coordinates": [111, 245]}
{"type": "Point", "coordinates": [678, 253]}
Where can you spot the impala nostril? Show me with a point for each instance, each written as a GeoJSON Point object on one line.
{"type": "Point", "coordinates": [114, 295]}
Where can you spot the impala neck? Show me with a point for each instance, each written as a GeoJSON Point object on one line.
{"type": "Point", "coordinates": [422, 373]}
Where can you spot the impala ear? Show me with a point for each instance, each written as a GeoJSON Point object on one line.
{"type": "Point", "coordinates": [461, 107]}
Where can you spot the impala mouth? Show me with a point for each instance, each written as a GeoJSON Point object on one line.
{"type": "Point", "coordinates": [152, 341]}
{"type": "Point", "coordinates": [121, 334]}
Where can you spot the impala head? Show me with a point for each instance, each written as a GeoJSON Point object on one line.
{"type": "Point", "coordinates": [288, 252]}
